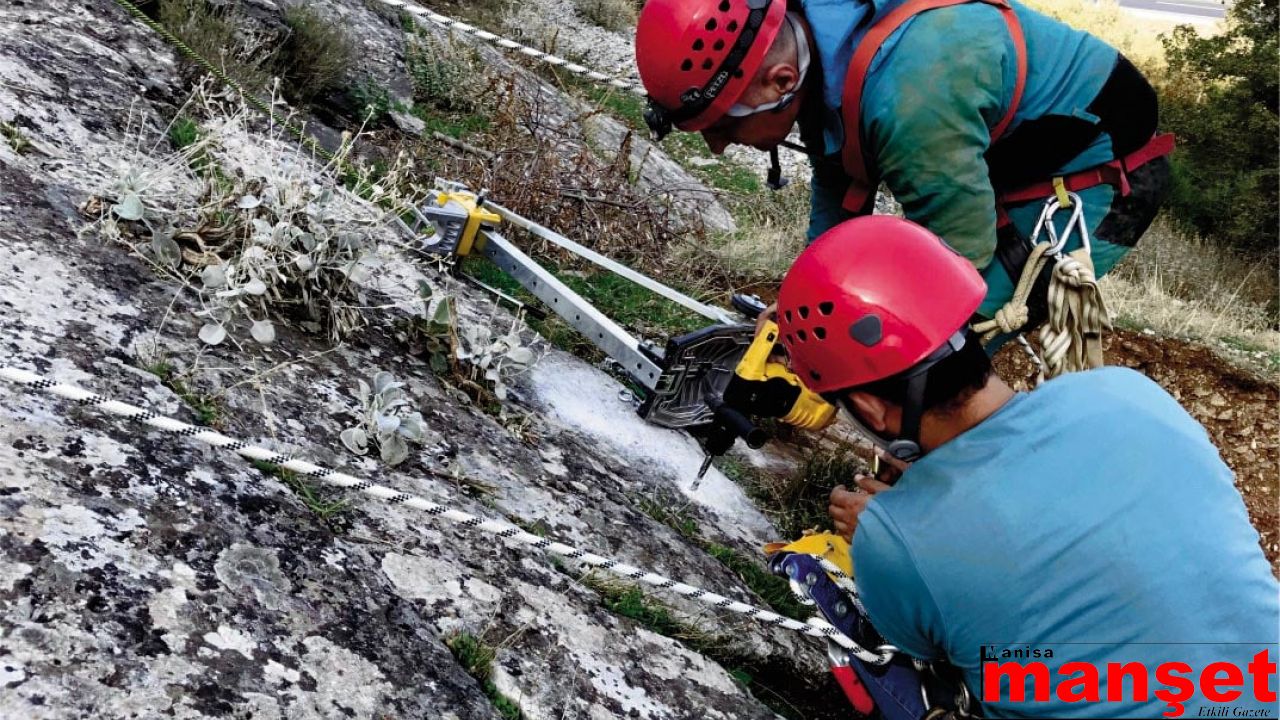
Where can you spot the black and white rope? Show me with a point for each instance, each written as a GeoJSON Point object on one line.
{"type": "Point", "coordinates": [554, 60]}
{"type": "Point", "coordinates": [815, 626]}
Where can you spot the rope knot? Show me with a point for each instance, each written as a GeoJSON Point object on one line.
{"type": "Point", "coordinates": [1011, 318]}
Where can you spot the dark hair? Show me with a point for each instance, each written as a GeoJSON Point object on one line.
{"type": "Point", "coordinates": [952, 381]}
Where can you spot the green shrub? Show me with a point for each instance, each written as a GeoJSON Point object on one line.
{"type": "Point", "coordinates": [447, 74]}
{"type": "Point", "coordinates": [214, 33]}
{"type": "Point", "coordinates": [314, 57]}
{"type": "Point", "coordinates": [1220, 97]}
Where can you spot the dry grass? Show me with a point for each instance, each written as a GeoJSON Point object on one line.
{"type": "Point", "coordinates": [219, 35]}
{"type": "Point", "coordinates": [771, 233]}
{"type": "Point", "coordinates": [616, 15]}
{"type": "Point", "coordinates": [1188, 286]}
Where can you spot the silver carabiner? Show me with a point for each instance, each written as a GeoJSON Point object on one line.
{"type": "Point", "coordinates": [1074, 223]}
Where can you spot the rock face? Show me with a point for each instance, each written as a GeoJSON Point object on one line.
{"type": "Point", "coordinates": [142, 575]}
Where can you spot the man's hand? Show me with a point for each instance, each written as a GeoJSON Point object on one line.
{"type": "Point", "coordinates": [845, 505]}
{"type": "Point", "coordinates": [765, 317]}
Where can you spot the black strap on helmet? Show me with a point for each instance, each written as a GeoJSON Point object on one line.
{"type": "Point", "coordinates": [906, 447]}
{"type": "Point", "coordinates": [694, 101]}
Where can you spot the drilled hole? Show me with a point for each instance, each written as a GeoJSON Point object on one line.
{"type": "Point", "coordinates": [724, 5]}
{"type": "Point", "coordinates": [826, 308]}
{"type": "Point", "coordinates": [719, 45]}
{"type": "Point", "coordinates": [804, 336]}
{"type": "Point", "coordinates": [711, 24]}
{"type": "Point", "coordinates": [820, 333]}
{"type": "Point", "coordinates": [707, 64]}
{"type": "Point", "coordinates": [698, 45]}
{"type": "Point", "coordinates": [788, 314]}
{"type": "Point", "coordinates": [687, 65]}
{"type": "Point", "coordinates": [804, 312]}
{"type": "Point", "coordinates": [732, 26]}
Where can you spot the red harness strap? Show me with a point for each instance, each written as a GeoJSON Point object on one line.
{"type": "Point", "coordinates": [855, 163]}
{"type": "Point", "coordinates": [1114, 173]}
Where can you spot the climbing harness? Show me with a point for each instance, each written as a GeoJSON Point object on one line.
{"type": "Point", "coordinates": [863, 184]}
{"type": "Point", "coordinates": [1072, 338]}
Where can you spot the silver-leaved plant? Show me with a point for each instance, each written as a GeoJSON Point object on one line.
{"type": "Point", "coordinates": [388, 421]}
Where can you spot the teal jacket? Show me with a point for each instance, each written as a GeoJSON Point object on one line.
{"type": "Point", "coordinates": [932, 94]}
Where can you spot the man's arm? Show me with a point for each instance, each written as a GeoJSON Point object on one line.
{"type": "Point", "coordinates": [897, 600]}
{"type": "Point", "coordinates": [927, 114]}
{"type": "Point", "coordinates": [827, 189]}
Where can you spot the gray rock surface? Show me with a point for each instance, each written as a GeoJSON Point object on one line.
{"type": "Point", "coordinates": [145, 576]}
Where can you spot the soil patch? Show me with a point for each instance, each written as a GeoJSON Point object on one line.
{"type": "Point", "coordinates": [1237, 407]}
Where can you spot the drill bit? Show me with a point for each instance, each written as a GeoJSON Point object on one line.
{"type": "Point", "coordinates": [702, 471]}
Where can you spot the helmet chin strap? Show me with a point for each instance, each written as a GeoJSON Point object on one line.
{"type": "Point", "coordinates": [906, 447]}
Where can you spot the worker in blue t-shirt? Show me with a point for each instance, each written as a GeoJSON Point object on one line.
{"type": "Point", "coordinates": [1085, 525]}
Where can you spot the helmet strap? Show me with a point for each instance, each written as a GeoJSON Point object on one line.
{"type": "Point", "coordinates": [906, 447]}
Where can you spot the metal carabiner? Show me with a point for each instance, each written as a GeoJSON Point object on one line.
{"type": "Point", "coordinates": [1074, 223]}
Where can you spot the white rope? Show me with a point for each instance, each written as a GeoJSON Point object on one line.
{"type": "Point", "coordinates": [554, 60]}
{"type": "Point", "coordinates": [507, 532]}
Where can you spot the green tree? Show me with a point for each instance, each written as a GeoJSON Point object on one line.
{"type": "Point", "coordinates": [1220, 97]}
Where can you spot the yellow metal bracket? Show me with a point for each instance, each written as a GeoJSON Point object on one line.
{"type": "Point", "coordinates": [477, 215]}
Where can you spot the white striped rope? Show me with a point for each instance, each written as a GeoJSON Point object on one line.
{"type": "Point", "coordinates": [506, 44]}
{"type": "Point", "coordinates": [815, 627]}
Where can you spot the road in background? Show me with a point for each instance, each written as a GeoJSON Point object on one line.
{"type": "Point", "coordinates": [1190, 9]}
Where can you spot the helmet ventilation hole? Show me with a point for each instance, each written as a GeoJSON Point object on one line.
{"type": "Point", "coordinates": [719, 45]}
{"type": "Point", "coordinates": [711, 24]}
{"type": "Point", "coordinates": [724, 6]}
{"type": "Point", "coordinates": [826, 308]}
{"type": "Point", "coordinates": [788, 314]}
{"type": "Point", "coordinates": [707, 64]}
{"type": "Point", "coordinates": [732, 26]}
{"type": "Point", "coordinates": [697, 45]}
{"type": "Point", "coordinates": [687, 65]}
{"type": "Point", "coordinates": [820, 333]}
{"type": "Point", "coordinates": [804, 336]}
{"type": "Point", "coordinates": [804, 312]}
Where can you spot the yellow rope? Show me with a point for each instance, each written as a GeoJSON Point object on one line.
{"type": "Point", "coordinates": [1072, 338]}
{"type": "Point", "coordinates": [1014, 315]}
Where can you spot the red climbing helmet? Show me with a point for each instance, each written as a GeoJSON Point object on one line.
{"type": "Point", "coordinates": [696, 57]}
{"type": "Point", "coordinates": [870, 298]}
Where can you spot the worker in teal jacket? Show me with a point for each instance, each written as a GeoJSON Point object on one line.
{"type": "Point", "coordinates": [967, 112]}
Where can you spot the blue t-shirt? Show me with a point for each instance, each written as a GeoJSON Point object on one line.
{"type": "Point", "coordinates": [1092, 518]}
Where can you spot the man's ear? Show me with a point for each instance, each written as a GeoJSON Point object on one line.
{"type": "Point", "coordinates": [782, 78]}
{"type": "Point", "coordinates": [873, 411]}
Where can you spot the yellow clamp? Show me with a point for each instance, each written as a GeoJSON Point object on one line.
{"type": "Point", "coordinates": [828, 546]}
{"type": "Point", "coordinates": [810, 411]}
{"type": "Point", "coordinates": [476, 216]}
